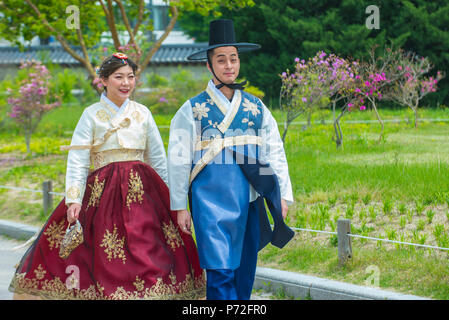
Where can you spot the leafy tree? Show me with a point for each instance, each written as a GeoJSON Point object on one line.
{"type": "Point", "coordinates": [127, 22]}
{"type": "Point", "coordinates": [292, 28]}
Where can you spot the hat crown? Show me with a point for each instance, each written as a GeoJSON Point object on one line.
{"type": "Point", "coordinates": [221, 32]}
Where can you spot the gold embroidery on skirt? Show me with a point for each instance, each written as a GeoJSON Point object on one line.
{"type": "Point", "coordinates": [139, 284]}
{"type": "Point", "coordinates": [172, 277]}
{"type": "Point", "coordinates": [97, 190]}
{"type": "Point", "coordinates": [55, 232]}
{"type": "Point", "coordinates": [40, 272]}
{"type": "Point", "coordinates": [135, 189]}
{"type": "Point", "coordinates": [113, 246]}
{"type": "Point", "coordinates": [56, 289]}
{"type": "Point", "coordinates": [172, 235]}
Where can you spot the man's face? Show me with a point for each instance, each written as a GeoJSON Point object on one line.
{"type": "Point", "coordinates": [226, 63]}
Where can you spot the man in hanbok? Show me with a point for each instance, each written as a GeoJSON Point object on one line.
{"type": "Point", "coordinates": [225, 159]}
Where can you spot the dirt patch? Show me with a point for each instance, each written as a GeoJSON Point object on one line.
{"type": "Point", "coordinates": [12, 160]}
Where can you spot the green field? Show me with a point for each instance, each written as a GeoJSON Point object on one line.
{"type": "Point", "coordinates": [397, 188]}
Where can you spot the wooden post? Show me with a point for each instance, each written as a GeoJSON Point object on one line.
{"type": "Point", "coordinates": [47, 196]}
{"type": "Point", "coordinates": [344, 241]}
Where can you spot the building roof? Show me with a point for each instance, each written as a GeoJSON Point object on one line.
{"type": "Point", "coordinates": [167, 54]}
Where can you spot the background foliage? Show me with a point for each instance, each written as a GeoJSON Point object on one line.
{"type": "Point", "coordinates": [300, 28]}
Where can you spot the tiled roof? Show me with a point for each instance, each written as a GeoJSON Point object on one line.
{"type": "Point", "coordinates": [169, 53]}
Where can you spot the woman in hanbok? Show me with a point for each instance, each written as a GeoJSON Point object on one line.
{"type": "Point", "coordinates": [132, 248]}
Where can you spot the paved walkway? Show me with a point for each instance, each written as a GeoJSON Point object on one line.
{"type": "Point", "coordinates": [8, 260]}
{"type": "Point", "coordinates": [284, 283]}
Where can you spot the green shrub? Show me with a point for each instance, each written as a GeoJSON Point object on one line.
{"type": "Point", "coordinates": [166, 96]}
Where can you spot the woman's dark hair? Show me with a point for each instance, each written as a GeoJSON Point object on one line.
{"type": "Point", "coordinates": [111, 64]}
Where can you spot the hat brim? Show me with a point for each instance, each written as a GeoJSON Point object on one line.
{"type": "Point", "coordinates": [241, 47]}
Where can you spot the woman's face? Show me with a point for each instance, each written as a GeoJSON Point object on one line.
{"type": "Point", "coordinates": [120, 84]}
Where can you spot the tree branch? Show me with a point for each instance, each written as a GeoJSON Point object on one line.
{"type": "Point", "coordinates": [128, 27]}
{"type": "Point", "coordinates": [65, 44]}
{"type": "Point", "coordinates": [157, 44]}
{"type": "Point", "coordinates": [139, 17]}
{"type": "Point", "coordinates": [109, 12]}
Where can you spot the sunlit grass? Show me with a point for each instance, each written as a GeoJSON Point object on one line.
{"type": "Point", "coordinates": [397, 188]}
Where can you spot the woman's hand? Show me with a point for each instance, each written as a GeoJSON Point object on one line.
{"type": "Point", "coordinates": [73, 212]}
{"type": "Point", "coordinates": [184, 221]}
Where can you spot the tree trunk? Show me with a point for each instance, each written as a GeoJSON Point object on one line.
{"type": "Point", "coordinates": [286, 125]}
{"type": "Point", "coordinates": [333, 110]}
{"type": "Point", "coordinates": [415, 111]}
{"type": "Point", "coordinates": [28, 141]}
{"type": "Point", "coordinates": [309, 118]}
{"type": "Point", "coordinates": [381, 136]}
{"type": "Point", "coordinates": [338, 133]}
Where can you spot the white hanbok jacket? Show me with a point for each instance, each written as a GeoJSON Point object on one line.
{"type": "Point", "coordinates": [105, 134]}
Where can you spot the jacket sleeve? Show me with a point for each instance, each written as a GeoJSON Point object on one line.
{"type": "Point", "coordinates": [273, 153]}
{"type": "Point", "coordinates": [154, 154]}
{"type": "Point", "coordinates": [78, 160]}
{"type": "Point", "coordinates": [180, 156]}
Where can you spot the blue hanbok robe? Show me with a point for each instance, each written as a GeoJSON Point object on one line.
{"type": "Point", "coordinates": [226, 161]}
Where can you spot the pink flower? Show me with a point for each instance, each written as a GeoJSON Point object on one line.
{"type": "Point", "coordinates": [362, 108]}
{"type": "Point", "coordinates": [163, 100]}
{"type": "Point", "coordinates": [304, 99]}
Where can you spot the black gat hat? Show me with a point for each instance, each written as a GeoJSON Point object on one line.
{"type": "Point", "coordinates": [221, 34]}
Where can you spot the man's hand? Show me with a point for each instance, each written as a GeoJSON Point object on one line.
{"type": "Point", "coordinates": [184, 221]}
{"type": "Point", "coordinates": [284, 208]}
{"type": "Point", "coordinates": [73, 212]}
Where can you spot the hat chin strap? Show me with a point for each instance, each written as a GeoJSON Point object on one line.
{"type": "Point", "coordinates": [233, 86]}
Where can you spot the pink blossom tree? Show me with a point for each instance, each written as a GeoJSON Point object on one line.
{"type": "Point", "coordinates": [413, 85]}
{"type": "Point", "coordinates": [376, 74]}
{"type": "Point", "coordinates": [33, 99]}
{"type": "Point", "coordinates": [309, 87]}
{"type": "Point", "coordinates": [323, 80]}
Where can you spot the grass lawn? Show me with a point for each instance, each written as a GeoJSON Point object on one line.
{"type": "Point", "coordinates": [397, 188]}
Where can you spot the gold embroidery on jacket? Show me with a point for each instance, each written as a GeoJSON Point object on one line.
{"type": "Point", "coordinates": [137, 116]}
{"type": "Point", "coordinates": [103, 158]}
{"type": "Point", "coordinates": [103, 116]}
{"type": "Point", "coordinates": [172, 236]}
{"type": "Point", "coordinates": [113, 245]}
{"type": "Point", "coordinates": [135, 189]}
{"type": "Point", "coordinates": [200, 110]}
{"type": "Point", "coordinates": [55, 232]}
{"type": "Point", "coordinates": [251, 107]}
{"type": "Point", "coordinates": [97, 190]}
{"type": "Point", "coordinates": [73, 192]}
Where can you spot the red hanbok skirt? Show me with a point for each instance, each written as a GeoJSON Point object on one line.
{"type": "Point", "coordinates": [132, 249]}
